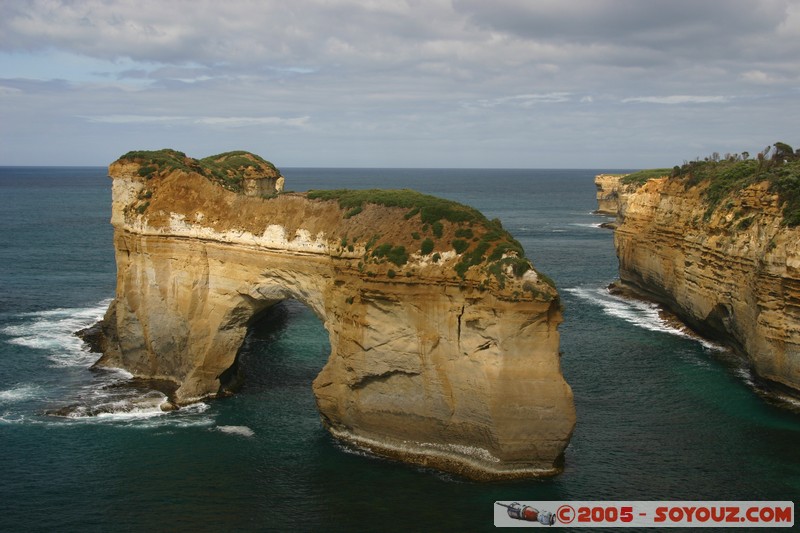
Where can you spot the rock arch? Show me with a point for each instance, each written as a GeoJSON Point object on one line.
{"type": "Point", "coordinates": [457, 373]}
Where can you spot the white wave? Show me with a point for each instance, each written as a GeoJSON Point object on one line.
{"type": "Point", "coordinates": [646, 315]}
{"type": "Point", "coordinates": [586, 225]}
{"type": "Point", "coordinates": [117, 373]}
{"type": "Point", "coordinates": [746, 375]}
{"type": "Point", "coordinates": [11, 418]}
{"type": "Point", "coordinates": [19, 394]}
{"type": "Point", "coordinates": [243, 431]}
{"type": "Point", "coordinates": [199, 407]}
{"type": "Point", "coordinates": [53, 332]}
{"type": "Point", "coordinates": [112, 407]}
{"type": "Point", "coordinates": [142, 411]}
{"type": "Point", "coordinates": [352, 450]}
{"type": "Point", "coordinates": [790, 401]}
{"type": "Point", "coordinates": [189, 416]}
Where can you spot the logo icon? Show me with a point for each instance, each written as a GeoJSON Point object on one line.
{"type": "Point", "coordinates": [518, 511]}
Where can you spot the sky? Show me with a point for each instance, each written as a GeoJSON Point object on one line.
{"type": "Point", "coordinates": [603, 84]}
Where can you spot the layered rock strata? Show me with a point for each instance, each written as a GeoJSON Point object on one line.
{"type": "Point", "coordinates": [455, 367]}
{"type": "Point", "coordinates": [608, 199]}
{"type": "Point", "coordinates": [731, 271]}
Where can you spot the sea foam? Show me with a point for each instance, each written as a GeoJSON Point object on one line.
{"type": "Point", "coordinates": [53, 331]}
{"type": "Point", "coordinates": [243, 431]}
{"type": "Point", "coordinates": [646, 315]}
{"type": "Point", "coordinates": [19, 393]}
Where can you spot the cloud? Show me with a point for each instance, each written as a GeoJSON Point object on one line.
{"type": "Point", "coordinates": [655, 23]}
{"type": "Point", "coordinates": [523, 100]}
{"type": "Point", "coordinates": [364, 81]}
{"type": "Point", "coordinates": [228, 122]}
{"type": "Point", "coordinates": [8, 91]}
{"type": "Point", "coordinates": [238, 122]}
{"type": "Point", "coordinates": [133, 119]}
{"type": "Point", "coordinates": [763, 78]}
{"type": "Point", "coordinates": [677, 99]}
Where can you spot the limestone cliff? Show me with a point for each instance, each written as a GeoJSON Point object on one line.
{"type": "Point", "coordinates": [608, 193]}
{"type": "Point", "coordinates": [613, 191]}
{"type": "Point", "coordinates": [714, 245]}
{"type": "Point", "coordinates": [444, 341]}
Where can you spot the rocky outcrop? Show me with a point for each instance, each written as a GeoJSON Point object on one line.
{"type": "Point", "coordinates": [444, 340]}
{"type": "Point", "coordinates": [608, 200]}
{"type": "Point", "coordinates": [730, 269]}
{"type": "Point", "coordinates": [612, 194]}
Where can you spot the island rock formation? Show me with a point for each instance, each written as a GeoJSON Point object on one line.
{"type": "Point", "coordinates": [717, 252]}
{"type": "Point", "coordinates": [444, 340]}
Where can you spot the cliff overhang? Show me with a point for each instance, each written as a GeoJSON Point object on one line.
{"type": "Point", "coordinates": [444, 340]}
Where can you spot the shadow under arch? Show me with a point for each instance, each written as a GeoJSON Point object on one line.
{"type": "Point", "coordinates": [285, 346]}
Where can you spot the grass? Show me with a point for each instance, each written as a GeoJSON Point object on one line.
{"type": "Point", "coordinates": [640, 177]}
{"type": "Point", "coordinates": [430, 208]}
{"type": "Point", "coordinates": [227, 168]}
{"type": "Point", "coordinates": [727, 176]}
{"type": "Point", "coordinates": [495, 245]}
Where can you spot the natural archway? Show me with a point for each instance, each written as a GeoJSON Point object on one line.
{"type": "Point", "coordinates": [285, 346]}
{"type": "Point", "coordinates": [444, 351]}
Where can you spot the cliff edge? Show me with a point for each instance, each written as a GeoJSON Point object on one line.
{"type": "Point", "coordinates": [444, 340]}
{"type": "Point", "coordinates": [718, 243]}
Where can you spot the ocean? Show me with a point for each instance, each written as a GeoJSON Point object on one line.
{"type": "Point", "coordinates": [661, 415]}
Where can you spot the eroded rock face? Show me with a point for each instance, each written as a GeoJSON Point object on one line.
{"type": "Point", "coordinates": [732, 274]}
{"type": "Point", "coordinates": [608, 201]}
{"type": "Point", "coordinates": [459, 373]}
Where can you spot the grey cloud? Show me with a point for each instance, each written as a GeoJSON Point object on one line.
{"type": "Point", "coordinates": [630, 22]}
{"type": "Point", "coordinates": [677, 99]}
{"type": "Point", "coordinates": [419, 82]}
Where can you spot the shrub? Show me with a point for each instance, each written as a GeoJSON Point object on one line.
{"type": "Point", "coordinates": [460, 246]}
{"type": "Point", "coordinates": [353, 212]}
{"type": "Point", "coordinates": [519, 266]}
{"type": "Point", "coordinates": [394, 254]}
{"type": "Point", "coordinates": [505, 247]}
{"type": "Point", "coordinates": [411, 214]}
{"type": "Point", "coordinates": [475, 257]}
{"type": "Point", "coordinates": [728, 175]}
{"type": "Point", "coordinates": [437, 229]}
{"type": "Point", "coordinates": [427, 247]}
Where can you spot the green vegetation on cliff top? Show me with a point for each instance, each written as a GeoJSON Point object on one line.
{"type": "Point", "coordinates": [430, 208]}
{"type": "Point", "coordinates": [492, 246]}
{"type": "Point", "coordinates": [227, 168]}
{"type": "Point", "coordinates": [640, 177]}
{"type": "Point", "coordinates": [778, 164]}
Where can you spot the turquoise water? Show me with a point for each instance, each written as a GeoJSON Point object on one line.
{"type": "Point", "coordinates": [660, 415]}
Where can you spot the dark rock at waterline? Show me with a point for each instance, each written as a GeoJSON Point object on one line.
{"type": "Point", "coordinates": [93, 336]}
